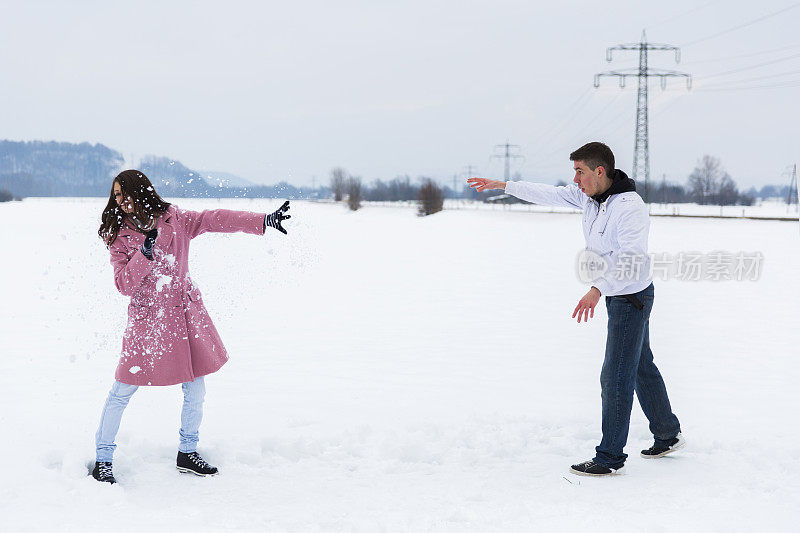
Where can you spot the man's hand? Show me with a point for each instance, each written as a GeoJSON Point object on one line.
{"type": "Point", "coordinates": [483, 184]}
{"type": "Point", "coordinates": [586, 306]}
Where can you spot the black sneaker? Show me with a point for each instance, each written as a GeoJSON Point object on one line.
{"type": "Point", "coordinates": [590, 468]}
{"type": "Point", "coordinates": [193, 463]}
{"type": "Point", "coordinates": [102, 472]}
{"type": "Point", "coordinates": [660, 450]}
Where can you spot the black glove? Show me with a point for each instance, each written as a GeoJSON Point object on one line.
{"type": "Point", "coordinates": [273, 220]}
{"type": "Point", "coordinates": [149, 242]}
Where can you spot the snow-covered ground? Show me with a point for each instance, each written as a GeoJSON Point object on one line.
{"type": "Point", "coordinates": [396, 373]}
{"type": "Point", "coordinates": [770, 209]}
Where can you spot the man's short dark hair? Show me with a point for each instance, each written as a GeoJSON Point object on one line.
{"type": "Point", "coordinates": [595, 154]}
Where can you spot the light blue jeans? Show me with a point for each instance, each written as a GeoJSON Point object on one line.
{"type": "Point", "coordinates": [191, 415]}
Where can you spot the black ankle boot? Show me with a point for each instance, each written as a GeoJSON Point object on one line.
{"type": "Point", "coordinates": [102, 472]}
{"type": "Point", "coordinates": [192, 462]}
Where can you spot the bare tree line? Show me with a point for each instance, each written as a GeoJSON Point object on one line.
{"type": "Point", "coordinates": [350, 189]}
{"type": "Point", "coordinates": [708, 184]}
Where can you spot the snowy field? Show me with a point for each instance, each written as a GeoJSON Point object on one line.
{"type": "Point", "coordinates": [395, 373]}
{"type": "Point", "coordinates": [764, 209]}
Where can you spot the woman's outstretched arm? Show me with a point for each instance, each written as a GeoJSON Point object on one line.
{"type": "Point", "coordinates": [222, 221]}
{"type": "Point", "coordinates": [227, 221]}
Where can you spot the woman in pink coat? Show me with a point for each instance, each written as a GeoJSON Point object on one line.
{"type": "Point", "coordinates": [170, 337]}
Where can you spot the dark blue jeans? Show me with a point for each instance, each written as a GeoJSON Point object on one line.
{"type": "Point", "coordinates": [629, 366]}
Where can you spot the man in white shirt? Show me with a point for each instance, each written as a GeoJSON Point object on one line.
{"type": "Point", "coordinates": [615, 226]}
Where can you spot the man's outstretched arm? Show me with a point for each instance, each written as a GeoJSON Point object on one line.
{"type": "Point", "coordinates": [538, 193]}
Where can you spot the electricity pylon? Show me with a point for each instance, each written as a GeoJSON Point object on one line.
{"type": "Point", "coordinates": [508, 156]}
{"type": "Point", "coordinates": [641, 149]}
{"type": "Point", "coordinates": [469, 171]}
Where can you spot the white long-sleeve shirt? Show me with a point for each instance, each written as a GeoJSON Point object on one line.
{"type": "Point", "coordinates": [615, 230]}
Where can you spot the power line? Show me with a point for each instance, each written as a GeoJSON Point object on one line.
{"type": "Point", "coordinates": [757, 78]}
{"type": "Point", "coordinates": [602, 111]}
{"type": "Point", "coordinates": [750, 67]}
{"type": "Point", "coordinates": [794, 83]}
{"type": "Point", "coordinates": [610, 127]}
{"type": "Point", "coordinates": [744, 25]}
{"type": "Point", "coordinates": [546, 139]}
{"type": "Point", "coordinates": [575, 107]}
{"type": "Point", "coordinates": [741, 56]}
{"type": "Point", "coordinates": [688, 12]}
{"type": "Point", "coordinates": [621, 122]}
{"type": "Point", "coordinates": [558, 140]}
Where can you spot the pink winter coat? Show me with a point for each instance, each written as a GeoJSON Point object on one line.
{"type": "Point", "coordinates": [170, 337]}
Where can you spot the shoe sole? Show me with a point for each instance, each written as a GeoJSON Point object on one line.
{"type": "Point", "coordinates": [190, 471]}
{"type": "Point", "coordinates": [675, 448]}
{"type": "Point", "coordinates": [618, 472]}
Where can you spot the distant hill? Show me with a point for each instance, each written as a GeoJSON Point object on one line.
{"type": "Point", "coordinates": [171, 178]}
{"type": "Point", "coordinates": [215, 177]}
{"type": "Point", "coordinates": [38, 168]}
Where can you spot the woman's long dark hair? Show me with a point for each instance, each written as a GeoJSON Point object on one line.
{"type": "Point", "coordinates": [147, 204]}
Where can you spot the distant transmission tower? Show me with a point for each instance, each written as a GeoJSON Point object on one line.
{"type": "Point", "coordinates": [793, 195]}
{"type": "Point", "coordinates": [508, 156]}
{"type": "Point", "coordinates": [469, 170]}
{"type": "Point", "coordinates": [467, 191]}
{"type": "Point", "coordinates": [641, 150]}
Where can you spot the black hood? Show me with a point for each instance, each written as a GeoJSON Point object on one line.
{"type": "Point", "coordinates": [620, 182]}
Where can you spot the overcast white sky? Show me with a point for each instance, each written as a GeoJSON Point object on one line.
{"type": "Point", "coordinates": [286, 90]}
